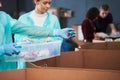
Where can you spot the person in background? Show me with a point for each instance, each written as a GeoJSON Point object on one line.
{"type": "Point", "coordinates": [87, 26]}
{"type": "Point", "coordinates": [8, 25]}
{"type": "Point", "coordinates": [43, 19]}
{"type": "Point", "coordinates": [105, 20]}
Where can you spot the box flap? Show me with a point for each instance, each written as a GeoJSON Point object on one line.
{"type": "Point", "coordinates": [12, 75]}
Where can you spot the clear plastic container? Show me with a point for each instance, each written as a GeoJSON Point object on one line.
{"type": "Point", "coordinates": [31, 52]}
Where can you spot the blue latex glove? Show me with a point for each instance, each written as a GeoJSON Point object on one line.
{"type": "Point", "coordinates": [10, 49]}
{"type": "Point", "coordinates": [65, 33]}
{"type": "Point", "coordinates": [117, 34]}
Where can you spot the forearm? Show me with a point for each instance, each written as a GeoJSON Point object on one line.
{"type": "Point", "coordinates": [113, 28]}
{"type": "Point", "coordinates": [20, 28]}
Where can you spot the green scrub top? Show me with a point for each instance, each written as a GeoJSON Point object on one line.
{"type": "Point", "coordinates": [8, 26]}
{"type": "Point", "coordinates": [51, 23]}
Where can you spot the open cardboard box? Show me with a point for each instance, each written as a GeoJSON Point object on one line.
{"type": "Point", "coordinates": [82, 65]}
{"type": "Point", "coordinates": [97, 44]}
{"type": "Point", "coordinates": [53, 73]}
{"type": "Point", "coordinates": [85, 58]}
{"type": "Point", "coordinates": [102, 46]}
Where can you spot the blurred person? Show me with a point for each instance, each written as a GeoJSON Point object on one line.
{"type": "Point", "coordinates": [44, 20]}
{"type": "Point", "coordinates": [87, 26]}
{"type": "Point", "coordinates": [105, 20]}
{"type": "Point", "coordinates": [8, 25]}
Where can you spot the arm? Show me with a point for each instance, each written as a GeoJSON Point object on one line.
{"type": "Point", "coordinates": [56, 23]}
{"type": "Point", "coordinates": [113, 28]}
{"type": "Point", "coordinates": [27, 27]}
{"type": "Point", "coordinates": [111, 24]}
{"type": "Point", "coordinates": [20, 28]}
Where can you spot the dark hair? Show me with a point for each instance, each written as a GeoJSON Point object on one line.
{"type": "Point", "coordinates": [92, 13]}
{"type": "Point", "coordinates": [105, 7]}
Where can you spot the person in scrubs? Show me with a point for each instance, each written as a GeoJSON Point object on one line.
{"type": "Point", "coordinates": [43, 19]}
{"type": "Point", "coordinates": [8, 25]}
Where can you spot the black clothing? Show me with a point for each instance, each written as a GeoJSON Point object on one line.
{"type": "Point", "coordinates": [101, 24]}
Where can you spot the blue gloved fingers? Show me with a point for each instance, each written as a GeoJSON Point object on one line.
{"type": "Point", "coordinates": [71, 34]}
{"type": "Point", "coordinates": [10, 49]}
{"type": "Point", "coordinates": [8, 54]}
{"type": "Point", "coordinates": [65, 33]}
{"type": "Point", "coordinates": [117, 34]}
{"type": "Point", "coordinates": [69, 29]}
{"type": "Point", "coordinates": [17, 49]}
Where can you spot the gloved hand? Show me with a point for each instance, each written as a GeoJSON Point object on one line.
{"type": "Point", "coordinates": [117, 34]}
{"type": "Point", "coordinates": [66, 33]}
{"type": "Point", "coordinates": [10, 49]}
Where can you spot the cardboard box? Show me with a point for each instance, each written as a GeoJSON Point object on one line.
{"type": "Point", "coordinates": [60, 74]}
{"type": "Point", "coordinates": [97, 44]}
{"type": "Point", "coordinates": [87, 64]}
{"type": "Point", "coordinates": [85, 58]}
{"type": "Point", "coordinates": [102, 46]}
{"type": "Point", "coordinates": [113, 45]}
{"type": "Point", "coordinates": [13, 75]}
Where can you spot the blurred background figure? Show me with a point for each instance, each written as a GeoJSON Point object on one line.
{"type": "Point", "coordinates": [87, 25]}
{"type": "Point", "coordinates": [105, 20]}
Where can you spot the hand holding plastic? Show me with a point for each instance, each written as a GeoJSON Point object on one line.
{"type": "Point", "coordinates": [65, 33]}
{"type": "Point", "coordinates": [11, 49]}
